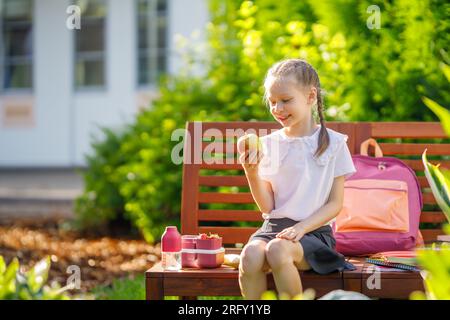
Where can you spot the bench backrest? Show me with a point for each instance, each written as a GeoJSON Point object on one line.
{"type": "Point", "coordinates": [211, 211]}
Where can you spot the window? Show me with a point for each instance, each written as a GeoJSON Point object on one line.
{"type": "Point", "coordinates": [90, 44]}
{"type": "Point", "coordinates": [151, 40]}
{"type": "Point", "coordinates": [16, 39]}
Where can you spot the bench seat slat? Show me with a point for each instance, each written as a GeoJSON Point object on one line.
{"type": "Point", "coordinates": [417, 165]}
{"type": "Point", "coordinates": [254, 215]}
{"type": "Point", "coordinates": [414, 148]}
{"type": "Point", "coordinates": [428, 130]}
{"type": "Point", "coordinates": [230, 235]}
{"type": "Point", "coordinates": [430, 234]}
{"type": "Point", "coordinates": [229, 215]}
{"type": "Point", "coordinates": [246, 197]}
{"type": "Point", "coordinates": [223, 181]}
{"type": "Point", "coordinates": [221, 197]}
{"type": "Point", "coordinates": [432, 216]}
{"type": "Point", "coordinates": [221, 166]}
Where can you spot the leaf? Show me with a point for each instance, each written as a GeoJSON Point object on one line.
{"type": "Point", "coordinates": [38, 275]}
{"type": "Point", "coordinates": [445, 69]}
{"type": "Point", "coordinates": [442, 113]}
{"type": "Point", "coordinates": [11, 271]}
{"type": "Point", "coordinates": [439, 184]}
{"type": "Point", "coordinates": [446, 228]}
{"type": "Point", "coordinates": [2, 267]}
{"type": "Point", "coordinates": [8, 281]}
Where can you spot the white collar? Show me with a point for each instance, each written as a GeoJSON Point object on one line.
{"type": "Point", "coordinates": [302, 138]}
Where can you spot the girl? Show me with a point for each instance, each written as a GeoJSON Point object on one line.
{"type": "Point", "coordinates": [298, 184]}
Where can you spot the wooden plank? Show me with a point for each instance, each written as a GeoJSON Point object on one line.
{"type": "Point", "coordinates": [202, 286]}
{"type": "Point", "coordinates": [238, 128]}
{"type": "Point", "coordinates": [219, 147]}
{"type": "Point", "coordinates": [423, 182]}
{"type": "Point", "coordinates": [222, 272]}
{"type": "Point", "coordinates": [227, 181]}
{"type": "Point", "coordinates": [221, 166]}
{"type": "Point", "coordinates": [154, 288]}
{"type": "Point", "coordinates": [189, 195]}
{"type": "Point", "coordinates": [382, 283]}
{"type": "Point", "coordinates": [220, 197]}
{"type": "Point", "coordinates": [417, 165]}
{"type": "Point", "coordinates": [432, 217]}
{"type": "Point", "coordinates": [392, 288]}
{"type": "Point", "coordinates": [427, 130]}
{"type": "Point", "coordinates": [229, 215]}
{"type": "Point", "coordinates": [231, 234]}
{"type": "Point", "coordinates": [230, 286]}
{"type": "Point", "coordinates": [363, 131]}
{"type": "Point", "coordinates": [261, 128]}
{"type": "Point", "coordinates": [352, 279]}
{"type": "Point", "coordinates": [229, 129]}
{"type": "Point", "coordinates": [428, 198]}
{"type": "Point", "coordinates": [352, 284]}
{"type": "Point", "coordinates": [430, 235]}
{"type": "Point", "coordinates": [415, 148]}
{"type": "Point", "coordinates": [349, 130]}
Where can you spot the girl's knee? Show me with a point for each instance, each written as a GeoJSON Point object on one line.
{"type": "Point", "coordinates": [252, 257]}
{"type": "Point", "coordinates": [278, 253]}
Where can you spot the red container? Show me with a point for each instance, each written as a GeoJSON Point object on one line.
{"type": "Point", "coordinates": [171, 240]}
{"type": "Point", "coordinates": [188, 259]}
{"type": "Point", "coordinates": [198, 253]}
{"type": "Point", "coordinates": [209, 244]}
{"type": "Point", "coordinates": [210, 258]}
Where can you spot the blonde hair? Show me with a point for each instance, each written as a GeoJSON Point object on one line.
{"type": "Point", "coordinates": [305, 76]}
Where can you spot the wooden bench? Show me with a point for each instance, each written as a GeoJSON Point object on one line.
{"type": "Point", "coordinates": [200, 212]}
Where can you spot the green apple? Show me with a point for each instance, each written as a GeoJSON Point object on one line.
{"type": "Point", "coordinates": [249, 142]}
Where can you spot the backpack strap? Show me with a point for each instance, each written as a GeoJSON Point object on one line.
{"type": "Point", "coordinates": [365, 147]}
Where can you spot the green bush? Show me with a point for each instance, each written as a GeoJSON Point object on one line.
{"type": "Point", "coordinates": [394, 66]}
{"type": "Point", "coordinates": [102, 201]}
{"type": "Point", "coordinates": [16, 285]}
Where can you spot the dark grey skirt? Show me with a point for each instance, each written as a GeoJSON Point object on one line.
{"type": "Point", "coordinates": [318, 245]}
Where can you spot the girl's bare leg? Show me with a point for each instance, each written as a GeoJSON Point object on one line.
{"type": "Point", "coordinates": [252, 270]}
{"type": "Point", "coordinates": [285, 258]}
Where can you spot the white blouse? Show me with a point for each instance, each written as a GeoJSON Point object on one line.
{"type": "Point", "coordinates": [301, 183]}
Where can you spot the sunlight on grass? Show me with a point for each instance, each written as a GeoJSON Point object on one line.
{"type": "Point", "coordinates": [134, 289]}
{"type": "Point", "coordinates": [122, 289]}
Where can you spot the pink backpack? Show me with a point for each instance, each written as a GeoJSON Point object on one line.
{"type": "Point", "coordinates": [382, 206]}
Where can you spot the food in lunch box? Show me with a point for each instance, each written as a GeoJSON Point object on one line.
{"type": "Point", "coordinates": [204, 236]}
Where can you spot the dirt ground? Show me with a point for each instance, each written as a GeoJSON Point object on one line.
{"type": "Point", "coordinates": [100, 258]}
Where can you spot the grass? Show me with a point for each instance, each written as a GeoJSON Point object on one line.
{"type": "Point", "coordinates": [122, 289]}
{"type": "Point", "coordinates": [133, 288]}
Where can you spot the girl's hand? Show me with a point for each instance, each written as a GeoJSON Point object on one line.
{"type": "Point", "coordinates": [250, 161]}
{"type": "Point", "coordinates": [250, 152]}
{"type": "Point", "coordinates": [294, 233]}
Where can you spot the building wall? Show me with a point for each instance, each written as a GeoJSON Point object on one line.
{"type": "Point", "coordinates": [58, 130]}
{"type": "Point", "coordinates": [45, 139]}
